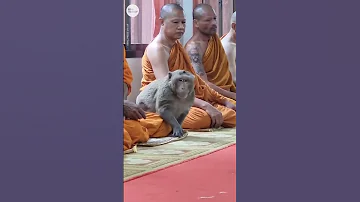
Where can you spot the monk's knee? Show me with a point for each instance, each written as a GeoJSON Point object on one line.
{"type": "Point", "coordinates": [137, 132]}
{"type": "Point", "coordinates": [197, 119]}
{"type": "Point", "coordinates": [229, 119]}
{"type": "Point", "coordinates": [163, 131]}
{"type": "Point", "coordinates": [127, 141]}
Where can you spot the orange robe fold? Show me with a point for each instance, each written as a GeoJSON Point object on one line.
{"type": "Point", "coordinates": [217, 66]}
{"type": "Point", "coordinates": [197, 118]}
{"type": "Point", "coordinates": [136, 131]}
{"type": "Point", "coordinates": [139, 131]}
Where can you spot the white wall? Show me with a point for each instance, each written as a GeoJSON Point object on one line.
{"type": "Point", "coordinates": [188, 7]}
{"type": "Point", "coordinates": [135, 66]}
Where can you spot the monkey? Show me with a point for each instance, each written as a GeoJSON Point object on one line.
{"type": "Point", "coordinates": [171, 97]}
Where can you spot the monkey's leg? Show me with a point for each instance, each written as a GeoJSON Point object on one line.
{"type": "Point", "coordinates": [182, 117]}
{"type": "Point", "coordinates": [171, 120]}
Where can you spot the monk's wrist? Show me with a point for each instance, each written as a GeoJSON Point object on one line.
{"type": "Point", "coordinates": [224, 101]}
{"type": "Point", "coordinates": [206, 106]}
{"type": "Point", "coordinates": [201, 104]}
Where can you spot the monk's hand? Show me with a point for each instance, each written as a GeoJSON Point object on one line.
{"type": "Point", "coordinates": [215, 115]}
{"type": "Point", "coordinates": [133, 111]}
{"type": "Point", "coordinates": [230, 105]}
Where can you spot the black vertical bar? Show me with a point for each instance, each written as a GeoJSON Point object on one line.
{"type": "Point", "coordinates": [221, 18]}
{"type": "Point", "coordinates": [139, 3]}
{"type": "Point", "coordinates": [127, 27]}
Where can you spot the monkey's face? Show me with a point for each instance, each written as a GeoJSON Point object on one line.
{"type": "Point", "coordinates": [183, 88]}
{"type": "Point", "coordinates": [182, 83]}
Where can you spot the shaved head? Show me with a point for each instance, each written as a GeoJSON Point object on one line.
{"type": "Point", "coordinates": [172, 18]}
{"type": "Point", "coordinates": [205, 19]}
{"type": "Point", "coordinates": [168, 9]}
{"type": "Point", "coordinates": [200, 9]}
{"type": "Point", "coordinates": [233, 18]}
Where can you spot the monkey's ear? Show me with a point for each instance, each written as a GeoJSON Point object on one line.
{"type": "Point", "coordinates": [169, 75]}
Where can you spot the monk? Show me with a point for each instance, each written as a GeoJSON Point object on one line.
{"type": "Point", "coordinates": [139, 126]}
{"type": "Point", "coordinates": [165, 53]}
{"type": "Point", "coordinates": [228, 42]}
{"type": "Point", "coordinates": [207, 55]}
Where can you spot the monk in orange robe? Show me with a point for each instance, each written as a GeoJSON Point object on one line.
{"type": "Point", "coordinates": [228, 42]}
{"type": "Point", "coordinates": [139, 126]}
{"type": "Point", "coordinates": [207, 54]}
{"type": "Point", "coordinates": [165, 53]}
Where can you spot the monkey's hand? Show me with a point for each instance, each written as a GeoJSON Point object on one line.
{"type": "Point", "coordinates": [132, 111]}
{"type": "Point", "coordinates": [230, 105]}
{"type": "Point", "coordinates": [216, 116]}
{"type": "Point", "coordinates": [177, 132]}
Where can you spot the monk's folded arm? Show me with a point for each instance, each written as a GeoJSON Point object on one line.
{"type": "Point", "coordinates": [193, 50]}
{"type": "Point", "coordinates": [221, 91]}
{"type": "Point", "coordinates": [218, 97]}
{"type": "Point", "coordinates": [201, 104]}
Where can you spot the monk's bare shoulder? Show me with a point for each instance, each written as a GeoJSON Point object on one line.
{"type": "Point", "coordinates": [229, 47]}
{"type": "Point", "coordinates": [158, 56]}
{"type": "Point", "coordinates": [195, 51]}
{"type": "Point", "coordinates": [156, 50]}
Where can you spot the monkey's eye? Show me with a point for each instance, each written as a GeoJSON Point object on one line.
{"type": "Point", "coordinates": [182, 80]}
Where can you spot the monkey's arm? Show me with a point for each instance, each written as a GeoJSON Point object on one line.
{"type": "Point", "coordinates": [196, 61]}
{"type": "Point", "coordinates": [166, 114]}
{"type": "Point", "coordinates": [168, 117]}
{"type": "Point", "coordinates": [182, 117]}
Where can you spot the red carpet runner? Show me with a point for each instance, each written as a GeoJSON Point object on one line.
{"type": "Point", "coordinates": [211, 178]}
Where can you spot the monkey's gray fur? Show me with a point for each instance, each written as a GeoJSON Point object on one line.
{"type": "Point", "coordinates": [171, 97]}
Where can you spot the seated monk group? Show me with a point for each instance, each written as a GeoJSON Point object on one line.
{"type": "Point", "coordinates": [215, 102]}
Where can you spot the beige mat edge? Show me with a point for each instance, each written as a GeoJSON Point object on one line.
{"type": "Point", "coordinates": [179, 161]}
